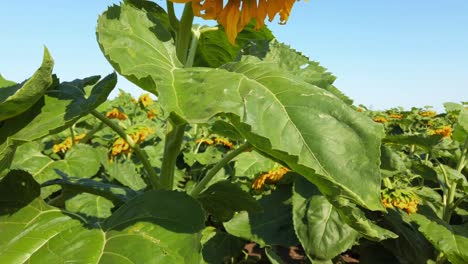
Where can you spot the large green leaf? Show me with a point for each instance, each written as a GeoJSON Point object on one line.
{"type": "Point", "coordinates": [174, 234]}
{"type": "Point", "coordinates": [63, 105]}
{"type": "Point", "coordinates": [15, 99]}
{"type": "Point", "coordinates": [80, 161]}
{"type": "Point", "coordinates": [410, 246]}
{"type": "Point", "coordinates": [224, 198]}
{"type": "Point", "coordinates": [298, 64]}
{"type": "Point", "coordinates": [452, 240]}
{"type": "Point", "coordinates": [156, 227]}
{"type": "Point", "coordinates": [318, 225]}
{"type": "Point", "coordinates": [273, 226]}
{"type": "Point", "coordinates": [308, 128]}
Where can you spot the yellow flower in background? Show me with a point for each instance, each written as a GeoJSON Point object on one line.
{"type": "Point", "coordinates": [116, 114]}
{"type": "Point", "coordinates": [445, 131]}
{"type": "Point", "coordinates": [360, 109]}
{"type": "Point", "coordinates": [121, 146]}
{"type": "Point", "coordinates": [271, 176]}
{"type": "Point", "coordinates": [67, 144]}
{"type": "Point", "coordinates": [208, 141]}
{"type": "Point", "coordinates": [396, 116]}
{"type": "Point", "coordinates": [151, 114]}
{"type": "Point", "coordinates": [402, 199]}
{"type": "Point", "coordinates": [427, 113]}
{"type": "Point", "coordinates": [224, 142]}
{"type": "Point", "coordinates": [380, 119]}
{"type": "Point", "coordinates": [146, 100]}
{"type": "Point", "coordinates": [236, 14]}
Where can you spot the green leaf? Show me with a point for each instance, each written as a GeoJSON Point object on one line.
{"type": "Point", "coordinates": [114, 193]}
{"type": "Point", "coordinates": [90, 205]}
{"type": "Point", "coordinates": [310, 129]}
{"type": "Point", "coordinates": [39, 233]}
{"type": "Point", "coordinates": [210, 156]}
{"type": "Point", "coordinates": [460, 132]}
{"type": "Point", "coordinates": [424, 141]}
{"type": "Point", "coordinates": [356, 218]}
{"type": "Point", "coordinates": [151, 57]}
{"type": "Point", "coordinates": [451, 107]}
{"type": "Point", "coordinates": [5, 83]}
{"type": "Point", "coordinates": [452, 240]}
{"type": "Point", "coordinates": [17, 189]}
{"type": "Point", "coordinates": [59, 109]}
{"type": "Point", "coordinates": [225, 129]}
{"type": "Point", "coordinates": [273, 226]}
{"type": "Point", "coordinates": [220, 247]}
{"type": "Point", "coordinates": [318, 225]}
{"type": "Point", "coordinates": [156, 227]}
{"type": "Point", "coordinates": [176, 224]}
{"type": "Point", "coordinates": [7, 152]}
{"type": "Point", "coordinates": [410, 246]}
{"type": "Point", "coordinates": [80, 161]}
{"type": "Point", "coordinates": [252, 163]}
{"type": "Point", "coordinates": [126, 174]}
{"type": "Point", "coordinates": [214, 48]}
{"type": "Point", "coordinates": [17, 98]}
{"type": "Point", "coordinates": [299, 65]}
{"type": "Point", "coordinates": [390, 160]}
{"type": "Point", "coordinates": [224, 198]}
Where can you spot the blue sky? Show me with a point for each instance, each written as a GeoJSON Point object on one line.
{"type": "Point", "coordinates": [384, 53]}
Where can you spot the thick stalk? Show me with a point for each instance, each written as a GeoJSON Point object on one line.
{"type": "Point", "coordinates": [141, 154]}
{"type": "Point", "coordinates": [193, 48]}
{"type": "Point", "coordinates": [172, 146]}
{"type": "Point", "coordinates": [185, 33]}
{"type": "Point", "coordinates": [212, 172]}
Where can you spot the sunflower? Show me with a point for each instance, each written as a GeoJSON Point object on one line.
{"type": "Point", "coordinates": [236, 14]}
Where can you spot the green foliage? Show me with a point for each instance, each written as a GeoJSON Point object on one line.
{"type": "Point", "coordinates": [17, 98]}
{"type": "Point", "coordinates": [318, 225]}
{"type": "Point", "coordinates": [244, 145]}
{"type": "Point", "coordinates": [224, 198]}
{"type": "Point", "coordinates": [272, 226]}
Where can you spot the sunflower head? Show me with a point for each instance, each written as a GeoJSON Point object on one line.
{"type": "Point", "coordinates": [236, 14]}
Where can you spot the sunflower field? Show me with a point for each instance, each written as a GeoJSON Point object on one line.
{"type": "Point", "coordinates": [242, 151]}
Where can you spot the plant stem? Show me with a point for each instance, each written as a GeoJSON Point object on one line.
{"type": "Point", "coordinates": [449, 197]}
{"type": "Point", "coordinates": [212, 172]}
{"type": "Point", "coordinates": [193, 47]}
{"type": "Point", "coordinates": [185, 33]}
{"type": "Point", "coordinates": [91, 133]}
{"type": "Point", "coordinates": [172, 146]}
{"type": "Point", "coordinates": [141, 154]}
{"type": "Point", "coordinates": [462, 161]}
{"type": "Point", "coordinates": [173, 21]}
